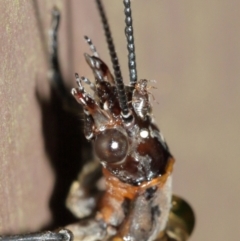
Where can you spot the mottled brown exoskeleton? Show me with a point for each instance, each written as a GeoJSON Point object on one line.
{"type": "Point", "coordinates": [132, 199]}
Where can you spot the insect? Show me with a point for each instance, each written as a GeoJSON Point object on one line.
{"type": "Point", "coordinates": [132, 199]}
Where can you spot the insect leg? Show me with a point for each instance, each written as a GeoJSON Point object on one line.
{"type": "Point", "coordinates": [56, 77]}
{"type": "Point", "coordinates": [62, 235]}
{"type": "Point", "coordinates": [84, 192]}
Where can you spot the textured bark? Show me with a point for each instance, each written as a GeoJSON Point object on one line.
{"type": "Point", "coordinates": [26, 178]}
{"type": "Point", "coordinates": [41, 145]}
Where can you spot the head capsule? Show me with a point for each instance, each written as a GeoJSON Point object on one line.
{"type": "Point", "coordinates": [118, 117]}
{"type": "Point", "coordinates": [134, 151]}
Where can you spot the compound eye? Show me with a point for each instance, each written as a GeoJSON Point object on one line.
{"type": "Point", "coordinates": [111, 146]}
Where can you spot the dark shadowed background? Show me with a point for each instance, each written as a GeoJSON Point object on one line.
{"type": "Point", "coordinates": [191, 49]}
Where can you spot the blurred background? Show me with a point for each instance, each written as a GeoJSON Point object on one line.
{"type": "Point", "coordinates": [191, 49]}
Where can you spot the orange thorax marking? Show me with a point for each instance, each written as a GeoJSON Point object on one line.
{"type": "Point", "coordinates": [118, 191]}
{"type": "Point", "coordinates": [119, 188]}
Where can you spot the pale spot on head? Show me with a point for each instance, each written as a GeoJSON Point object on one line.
{"type": "Point", "coordinates": [144, 133]}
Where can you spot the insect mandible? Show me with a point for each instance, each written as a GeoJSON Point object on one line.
{"type": "Point", "coordinates": [132, 199]}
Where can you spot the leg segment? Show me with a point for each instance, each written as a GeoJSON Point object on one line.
{"type": "Point", "coordinates": [56, 77]}
{"type": "Point", "coordinates": [84, 192]}
{"type": "Point", "coordinates": [62, 235]}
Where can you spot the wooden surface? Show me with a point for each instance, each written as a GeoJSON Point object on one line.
{"type": "Point", "coordinates": [191, 48]}
{"type": "Point", "coordinates": [26, 179]}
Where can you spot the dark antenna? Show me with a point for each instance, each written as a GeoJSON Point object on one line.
{"type": "Point", "coordinates": [126, 114]}
{"type": "Point", "coordinates": [130, 43]}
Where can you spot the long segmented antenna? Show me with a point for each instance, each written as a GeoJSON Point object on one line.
{"type": "Point", "coordinates": [130, 43]}
{"type": "Point", "coordinates": [126, 114]}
